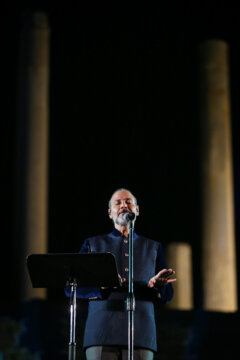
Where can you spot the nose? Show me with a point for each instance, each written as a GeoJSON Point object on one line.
{"type": "Point", "coordinates": [123, 204]}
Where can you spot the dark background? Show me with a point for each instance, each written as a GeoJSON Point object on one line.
{"type": "Point", "coordinates": [123, 113]}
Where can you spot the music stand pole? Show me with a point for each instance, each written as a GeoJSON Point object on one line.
{"type": "Point", "coordinates": [131, 297]}
{"type": "Point", "coordinates": [72, 342]}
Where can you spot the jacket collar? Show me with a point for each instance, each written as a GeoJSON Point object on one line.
{"type": "Point", "coordinates": [116, 233]}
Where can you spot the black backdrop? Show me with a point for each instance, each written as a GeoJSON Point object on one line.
{"type": "Point", "coordinates": [123, 113]}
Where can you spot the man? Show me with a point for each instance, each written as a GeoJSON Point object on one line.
{"type": "Point", "coordinates": [106, 330]}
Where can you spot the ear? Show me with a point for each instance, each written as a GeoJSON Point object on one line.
{"type": "Point", "coordinates": [109, 213]}
{"type": "Point", "coordinates": [137, 210]}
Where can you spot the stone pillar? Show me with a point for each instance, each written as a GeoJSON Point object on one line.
{"type": "Point", "coordinates": [219, 253]}
{"type": "Point", "coordinates": [32, 148]}
{"type": "Point", "coordinates": [179, 258]}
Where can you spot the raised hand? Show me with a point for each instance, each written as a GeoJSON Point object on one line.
{"type": "Point", "coordinates": [162, 278]}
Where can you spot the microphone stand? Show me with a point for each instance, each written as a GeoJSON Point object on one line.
{"type": "Point", "coordinates": [72, 342]}
{"type": "Point", "coordinates": [130, 297]}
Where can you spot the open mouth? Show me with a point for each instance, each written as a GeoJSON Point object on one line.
{"type": "Point", "coordinates": [122, 212]}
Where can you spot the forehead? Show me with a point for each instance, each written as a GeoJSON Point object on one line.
{"type": "Point", "coordinates": [121, 195]}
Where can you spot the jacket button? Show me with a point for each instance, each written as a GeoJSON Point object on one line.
{"type": "Point", "coordinates": [126, 269]}
{"type": "Point", "coordinates": [126, 241]}
{"type": "Point", "coordinates": [126, 254]}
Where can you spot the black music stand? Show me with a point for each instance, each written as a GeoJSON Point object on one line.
{"type": "Point", "coordinates": [63, 270]}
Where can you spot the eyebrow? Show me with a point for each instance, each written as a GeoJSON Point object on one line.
{"type": "Point", "coordinates": [116, 200]}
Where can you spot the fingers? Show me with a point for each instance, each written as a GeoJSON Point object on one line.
{"type": "Point", "coordinates": [171, 280]}
{"type": "Point", "coordinates": [165, 274]}
{"type": "Point", "coordinates": [162, 278]}
{"type": "Point", "coordinates": [122, 279]}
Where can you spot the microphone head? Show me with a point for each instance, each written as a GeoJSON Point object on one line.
{"type": "Point", "coordinates": [129, 216]}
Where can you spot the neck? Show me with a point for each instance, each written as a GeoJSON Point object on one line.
{"type": "Point", "coordinates": [123, 229]}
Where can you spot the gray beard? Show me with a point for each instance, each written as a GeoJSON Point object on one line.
{"type": "Point", "coordinates": [121, 221]}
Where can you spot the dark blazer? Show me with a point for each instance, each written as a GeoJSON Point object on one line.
{"type": "Point", "coordinates": [107, 321]}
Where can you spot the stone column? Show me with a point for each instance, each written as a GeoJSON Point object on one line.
{"type": "Point", "coordinates": [179, 258]}
{"type": "Point", "coordinates": [219, 253]}
{"type": "Point", "coordinates": [32, 150]}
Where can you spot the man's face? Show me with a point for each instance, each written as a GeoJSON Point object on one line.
{"type": "Point", "coordinates": [121, 203]}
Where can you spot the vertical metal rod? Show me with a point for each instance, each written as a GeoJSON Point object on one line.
{"type": "Point", "coordinates": [72, 342]}
{"type": "Point", "coordinates": [130, 298]}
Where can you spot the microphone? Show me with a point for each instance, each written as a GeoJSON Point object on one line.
{"type": "Point", "coordinates": [129, 216]}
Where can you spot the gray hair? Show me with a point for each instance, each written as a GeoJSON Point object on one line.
{"type": "Point", "coordinates": [121, 189]}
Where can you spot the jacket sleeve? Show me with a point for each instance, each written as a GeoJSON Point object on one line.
{"type": "Point", "coordinates": [89, 293]}
{"type": "Point", "coordinates": [163, 293]}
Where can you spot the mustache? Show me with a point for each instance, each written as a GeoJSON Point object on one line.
{"type": "Point", "coordinates": [123, 211]}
